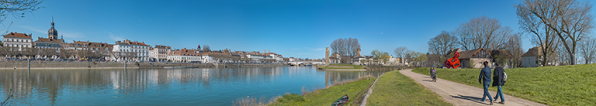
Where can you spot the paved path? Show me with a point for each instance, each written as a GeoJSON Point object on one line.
{"type": "Point", "coordinates": [461, 94]}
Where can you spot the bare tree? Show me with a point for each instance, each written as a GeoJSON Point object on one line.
{"type": "Point", "coordinates": [3, 51]}
{"type": "Point", "coordinates": [570, 20]}
{"type": "Point", "coordinates": [440, 45]}
{"type": "Point", "coordinates": [345, 47]}
{"type": "Point", "coordinates": [401, 52]}
{"type": "Point", "coordinates": [564, 58]}
{"type": "Point", "coordinates": [514, 45]}
{"type": "Point", "coordinates": [29, 52]}
{"type": "Point", "coordinates": [540, 35]}
{"type": "Point", "coordinates": [67, 54]}
{"type": "Point", "coordinates": [18, 8]}
{"type": "Point", "coordinates": [206, 48]}
{"type": "Point", "coordinates": [587, 49]}
{"type": "Point", "coordinates": [408, 55]}
{"type": "Point", "coordinates": [482, 32]}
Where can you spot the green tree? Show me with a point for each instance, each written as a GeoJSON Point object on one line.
{"type": "Point", "coordinates": [418, 58]}
{"type": "Point", "coordinates": [380, 56]}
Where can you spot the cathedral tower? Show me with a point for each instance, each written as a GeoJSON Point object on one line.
{"type": "Point", "coordinates": [52, 33]}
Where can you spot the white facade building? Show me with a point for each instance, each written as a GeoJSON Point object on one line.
{"type": "Point", "coordinates": [185, 58]}
{"type": "Point", "coordinates": [20, 40]}
{"type": "Point", "coordinates": [139, 49]}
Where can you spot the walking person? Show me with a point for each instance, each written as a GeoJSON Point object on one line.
{"type": "Point", "coordinates": [485, 77]}
{"type": "Point", "coordinates": [433, 74]}
{"type": "Point", "coordinates": [498, 81]}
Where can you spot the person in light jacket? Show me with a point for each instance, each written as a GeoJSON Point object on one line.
{"type": "Point", "coordinates": [498, 81]}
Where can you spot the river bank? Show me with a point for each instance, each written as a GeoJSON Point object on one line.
{"type": "Point", "coordinates": [355, 89]}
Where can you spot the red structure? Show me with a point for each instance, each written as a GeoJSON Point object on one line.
{"type": "Point", "coordinates": [453, 62]}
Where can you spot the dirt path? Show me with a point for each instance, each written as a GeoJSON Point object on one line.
{"type": "Point", "coordinates": [461, 94]}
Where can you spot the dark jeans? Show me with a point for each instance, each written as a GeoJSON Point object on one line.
{"type": "Point", "coordinates": [486, 84]}
{"type": "Point", "coordinates": [500, 93]}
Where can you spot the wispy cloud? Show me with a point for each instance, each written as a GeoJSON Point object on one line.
{"type": "Point", "coordinates": [33, 29]}
{"type": "Point", "coordinates": [307, 48]}
{"type": "Point", "coordinates": [114, 37]}
{"type": "Point", "coordinates": [67, 34]}
{"type": "Point", "coordinates": [318, 49]}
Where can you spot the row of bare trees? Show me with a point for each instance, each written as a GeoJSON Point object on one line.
{"type": "Point", "coordinates": [345, 47]}
{"type": "Point", "coordinates": [557, 26]}
{"type": "Point", "coordinates": [482, 32]}
{"type": "Point", "coordinates": [61, 53]}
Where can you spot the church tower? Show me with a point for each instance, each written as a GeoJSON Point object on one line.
{"type": "Point", "coordinates": [359, 52]}
{"type": "Point", "coordinates": [327, 55]}
{"type": "Point", "coordinates": [52, 33]}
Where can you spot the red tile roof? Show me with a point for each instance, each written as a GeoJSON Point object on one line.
{"type": "Point", "coordinates": [17, 35]}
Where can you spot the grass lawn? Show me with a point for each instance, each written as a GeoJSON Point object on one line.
{"type": "Point", "coordinates": [325, 97]}
{"type": "Point", "coordinates": [355, 66]}
{"type": "Point", "coordinates": [558, 85]}
{"type": "Point", "coordinates": [395, 89]}
{"type": "Point", "coordinates": [341, 64]}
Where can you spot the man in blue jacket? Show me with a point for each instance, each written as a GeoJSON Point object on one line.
{"type": "Point", "coordinates": [485, 76]}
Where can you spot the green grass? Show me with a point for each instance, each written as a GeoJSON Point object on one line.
{"type": "Point", "coordinates": [559, 85]}
{"type": "Point", "coordinates": [395, 89]}
{"type": "Point", "coordinates": [355, 66]}
{"type": "Point", "coordinates": [325, 97]}
{"type": "Point", "coordinates": [341, 64]}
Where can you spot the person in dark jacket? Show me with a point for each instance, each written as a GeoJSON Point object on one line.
{"type": "Point", "coordinates": [498, 81]}
{"type": "Point", "coordinates": [485, 77]}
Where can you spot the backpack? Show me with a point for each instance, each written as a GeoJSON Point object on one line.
{"type": "Point", "coordinates": [504, 76]}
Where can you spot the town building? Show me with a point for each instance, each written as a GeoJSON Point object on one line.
{"type": "Point", "coordinates": [533, 58]}
{"type": "Point", "coordinates": [474, 58]}
{"type": "Point", "coordinates": [159, 53]}
{"type": "Point", "coordinates": [127, 50]}
{"type": "Point", "coordinates": [52, 42]}
{"type": "Point", "coordinates": [93, 49]}
{"type": "Point", "coordinates": [184, 55]}
{"type": "Point", "coordinates": [47, 43]}
{"type": "Point", "coordinates": [19, 40]}
{"type": "Point", "coordinates": [335, 58]}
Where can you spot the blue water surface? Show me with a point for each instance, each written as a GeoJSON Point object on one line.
{"type": "Point", "coordinates": [146, 87]}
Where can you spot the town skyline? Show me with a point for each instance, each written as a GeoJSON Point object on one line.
{"type": "Point", "coordinates": [294, 29]}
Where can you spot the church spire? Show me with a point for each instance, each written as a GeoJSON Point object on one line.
{"type": "Point", "coordinates": [52, 21]}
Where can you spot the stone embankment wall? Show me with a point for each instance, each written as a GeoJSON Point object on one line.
{"type": "Point", "coordinates": [248, 65]}
{"type": "Point", "coordinates": [118, 65]}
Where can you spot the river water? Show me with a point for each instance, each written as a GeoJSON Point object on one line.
{"type": "Point", "coordinates": [141, 87]}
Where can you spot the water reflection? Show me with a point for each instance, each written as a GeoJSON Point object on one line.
{"type": "Point", "coordinates": [162, 86]}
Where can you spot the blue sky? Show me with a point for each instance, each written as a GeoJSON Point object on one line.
{"type": "Point", "coordinates": [293, 28]}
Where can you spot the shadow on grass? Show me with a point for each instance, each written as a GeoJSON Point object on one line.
{"type": "Point", "coordinates": [470, 98]}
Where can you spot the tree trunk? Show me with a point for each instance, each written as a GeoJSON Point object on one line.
{"type": "Point", "coordinates": [544, 60]}
{"type": "Point", "coordinates": [572, 59]}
